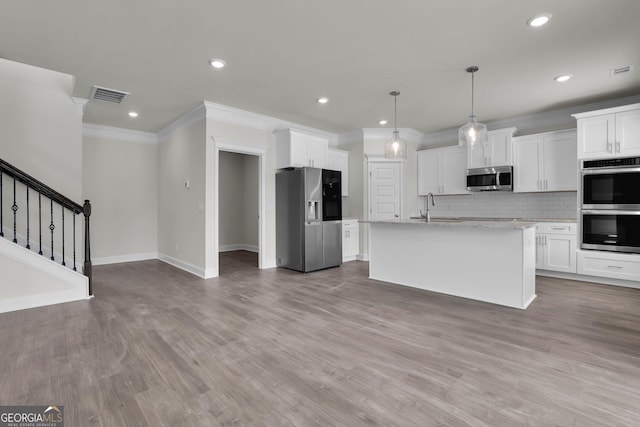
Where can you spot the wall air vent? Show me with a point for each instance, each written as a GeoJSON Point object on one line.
{"type": "Point", "coordinates": [615, 72]}
{"type": "Point", "coordinates": [106, 94]}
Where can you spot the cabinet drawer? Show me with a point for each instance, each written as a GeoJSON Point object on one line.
{"type": "Point", "coordinates": [615, 266]}
{"type": "Point", "coordinates": [557, 228]}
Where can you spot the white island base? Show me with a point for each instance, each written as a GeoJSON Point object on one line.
{"type": "Point", "coordinates": [491, 262]}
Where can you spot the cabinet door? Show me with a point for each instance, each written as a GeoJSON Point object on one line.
{"type": "Point", "coordinates": [560, 163]}
{"type": "Point", "coordinates": [596, 136]}
{"type": "Point", "coordinates": [453, 171]}
{"type": "Point", "coordinates": [428, 172]}
{"type": "Point", "coordinates": [526, 165]}
{"type": "Point", "coordinates": [350, 242]}
{"type": "Point", "coordinates": [627, 142]}
{"type": "Point", "coordinates": [298, 150]}
{"type": "Point", "coordinates": [317, 151]}
{"type": "Point", "coordinates": [476, 156]}
{"type": "Point", "coordinates": [499, 148]}
{"type": "Point", "coordinates": [560, 253]}
{"type": "Point", "coordinates": [539, 251]}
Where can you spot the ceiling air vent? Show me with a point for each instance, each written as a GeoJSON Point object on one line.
{"type": "Point", "coordinates": [106, 94]}
{"type": "Point", "coordinates": [615, 72]}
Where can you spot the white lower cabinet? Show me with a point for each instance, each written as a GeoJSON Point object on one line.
{"type": "Point", "coordinates": [556, 246]}
{"type": "Point", "coordinates": [350, 240]}
{"type": "Point", "coordinates": [609, 264]}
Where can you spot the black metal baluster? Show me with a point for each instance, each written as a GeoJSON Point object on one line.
{"type": "Point", "coordinates": [40, 221]}
{"type": "Point", "coordinates": [1, 226]}
{"type": "Point", "coordinates": [14, 208]}
{"type": "Point", "coordinates": [74, 241]}
{"type": "Point", "coordinates": [63, 261]}
{"type": "Point", "coordinates": [28, 234]}
{"type": "Point", "coordinates": [52, 227]}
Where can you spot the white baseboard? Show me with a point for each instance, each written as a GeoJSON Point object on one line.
{"type": "Point", "coordinates": [269, 264]}
{"type": "Point", "coordinates": [362, 257]}
{"type": "Point", "coordinates": [124, 258]}
{"type": "Point", "coordinates": [183, 265]}
{"type": "Point", "coordinates": [238, 247]}
{"type": "Point", "coordinates": [349, 258]}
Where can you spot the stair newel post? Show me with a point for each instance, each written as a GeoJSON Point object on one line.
{"type": "Point", "coordinates": [86, 208]}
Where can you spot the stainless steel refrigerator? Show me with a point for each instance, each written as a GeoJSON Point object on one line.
{"type": "Point", "coordinates": [308, 219]}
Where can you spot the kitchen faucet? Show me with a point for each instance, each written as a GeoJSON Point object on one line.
{"type": "Point", "coordinates": [427, 215]}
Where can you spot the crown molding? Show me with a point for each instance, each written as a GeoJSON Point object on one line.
{"type": "Point", "coordinates": [258, 121]}
{"type": "Point", "coordinates": [119, 134]}
{"type": "Point", "coordinates": [80, 104]}
{"type": "Point", "coordinates": [186, 120]}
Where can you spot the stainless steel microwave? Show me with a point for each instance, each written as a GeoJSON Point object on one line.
{"type": "Point", "coordinates": [498, 178]}
{"type": "Point", "coordinates": [611, 184]}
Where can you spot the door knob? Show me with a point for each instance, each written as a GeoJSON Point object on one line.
{"type": "Point", "coordinates": [396, 215]}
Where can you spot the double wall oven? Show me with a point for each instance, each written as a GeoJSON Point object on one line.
{"type": "Point", "coordinates": [610, 205]}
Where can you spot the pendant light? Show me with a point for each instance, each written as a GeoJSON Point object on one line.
{"type": "Point", "coordinates": [395, 148]}
{"type": "Point", "coordinates": [473, 132]}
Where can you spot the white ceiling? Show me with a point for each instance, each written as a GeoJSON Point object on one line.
{"type": "Point", "coordinates": [284, 54]}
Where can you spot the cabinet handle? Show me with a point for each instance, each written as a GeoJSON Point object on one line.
{"type": "Point", "coordinates": [546, 184]}
{"type": "Point", "coordinates": [609, 146]}
{"type": "Point", "coordinates": [618, 146]}
{"type": "Point", "coordinates": [614, 266]}
{"type": "Point", "coordinates": [560, 228]}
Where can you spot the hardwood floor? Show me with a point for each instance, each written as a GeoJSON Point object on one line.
{"type": "Point", "coordinates": [160, 347]}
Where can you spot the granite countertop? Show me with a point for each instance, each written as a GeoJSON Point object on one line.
{"type": "Point", "coordinates": [459, 222]}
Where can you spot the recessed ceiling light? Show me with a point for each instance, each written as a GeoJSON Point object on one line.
{"type": "Point", "coordinates": [563, 78]}
{"type": "Point", "coordinates": [217, 63]}
{"type": "Point", "coordinates": [133, 114]}
{"type": "Point", "coordinates": [382, 122]}
{"type": "Point", "coordinates": [539, 20]}
{"type": "Point", "coordinates": [323, 100]}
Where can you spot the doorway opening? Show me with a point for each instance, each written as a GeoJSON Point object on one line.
{"type": "Point", "coordinates": [239, 205]}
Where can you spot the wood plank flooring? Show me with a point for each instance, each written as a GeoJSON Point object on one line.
{"type": "Point", "coordinates": [160, 347]}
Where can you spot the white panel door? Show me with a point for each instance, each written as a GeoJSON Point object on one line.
{"type": "Point", "coordinates": [384, 191]}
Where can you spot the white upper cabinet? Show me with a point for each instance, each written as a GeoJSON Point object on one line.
{"type": "Point", "coordinates": [495, 152]}
{"type": "Point", "coordinates": [299, 149]}
{"type": "Point", "coordinates": [545, 162]}
{"type": "Point", "coordinates": [338, 160]}
{"type": "Point", "coordinates": [614, 132]}
{"type": "Point", "coordinates": [442, 171]}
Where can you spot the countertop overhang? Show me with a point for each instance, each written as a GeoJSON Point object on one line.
{"type": "Point", "coordinates": [444, 222]}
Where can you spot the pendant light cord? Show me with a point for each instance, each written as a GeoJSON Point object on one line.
{"type": "Point", "coordinates": [395, 112]}
{"type": "Point", "coordinates": [472, 90]}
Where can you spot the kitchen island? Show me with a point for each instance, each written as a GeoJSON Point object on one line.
{"type": "Point", "coordinates": [491, 261]}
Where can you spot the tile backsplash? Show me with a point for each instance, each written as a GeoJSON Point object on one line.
{"type": "Point", "coordinates": [504, 204]}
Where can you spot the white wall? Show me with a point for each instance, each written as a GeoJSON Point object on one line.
{"type": "Point", "coordinates": [120, 179]}
{"type": "Point", "coordinates": [258, 138]}
{"type": "Point", "coordinates": [181, 211]}
{"type": "Point", "coordinates": [41, 126]}
{"type": "Point", "coordinates": [251, 200]}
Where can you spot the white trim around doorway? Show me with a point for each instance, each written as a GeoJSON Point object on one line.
{"type": "Point", "coordinates": [230, 145]}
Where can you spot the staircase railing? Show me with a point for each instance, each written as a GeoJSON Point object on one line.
{"type": "Point", "coordinates": [19, 197]}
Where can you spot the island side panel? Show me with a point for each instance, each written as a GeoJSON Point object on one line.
{"type": "Point", "coordinates": [485, 264]}
{"type": "Point", "coordinates": [529, 266]}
